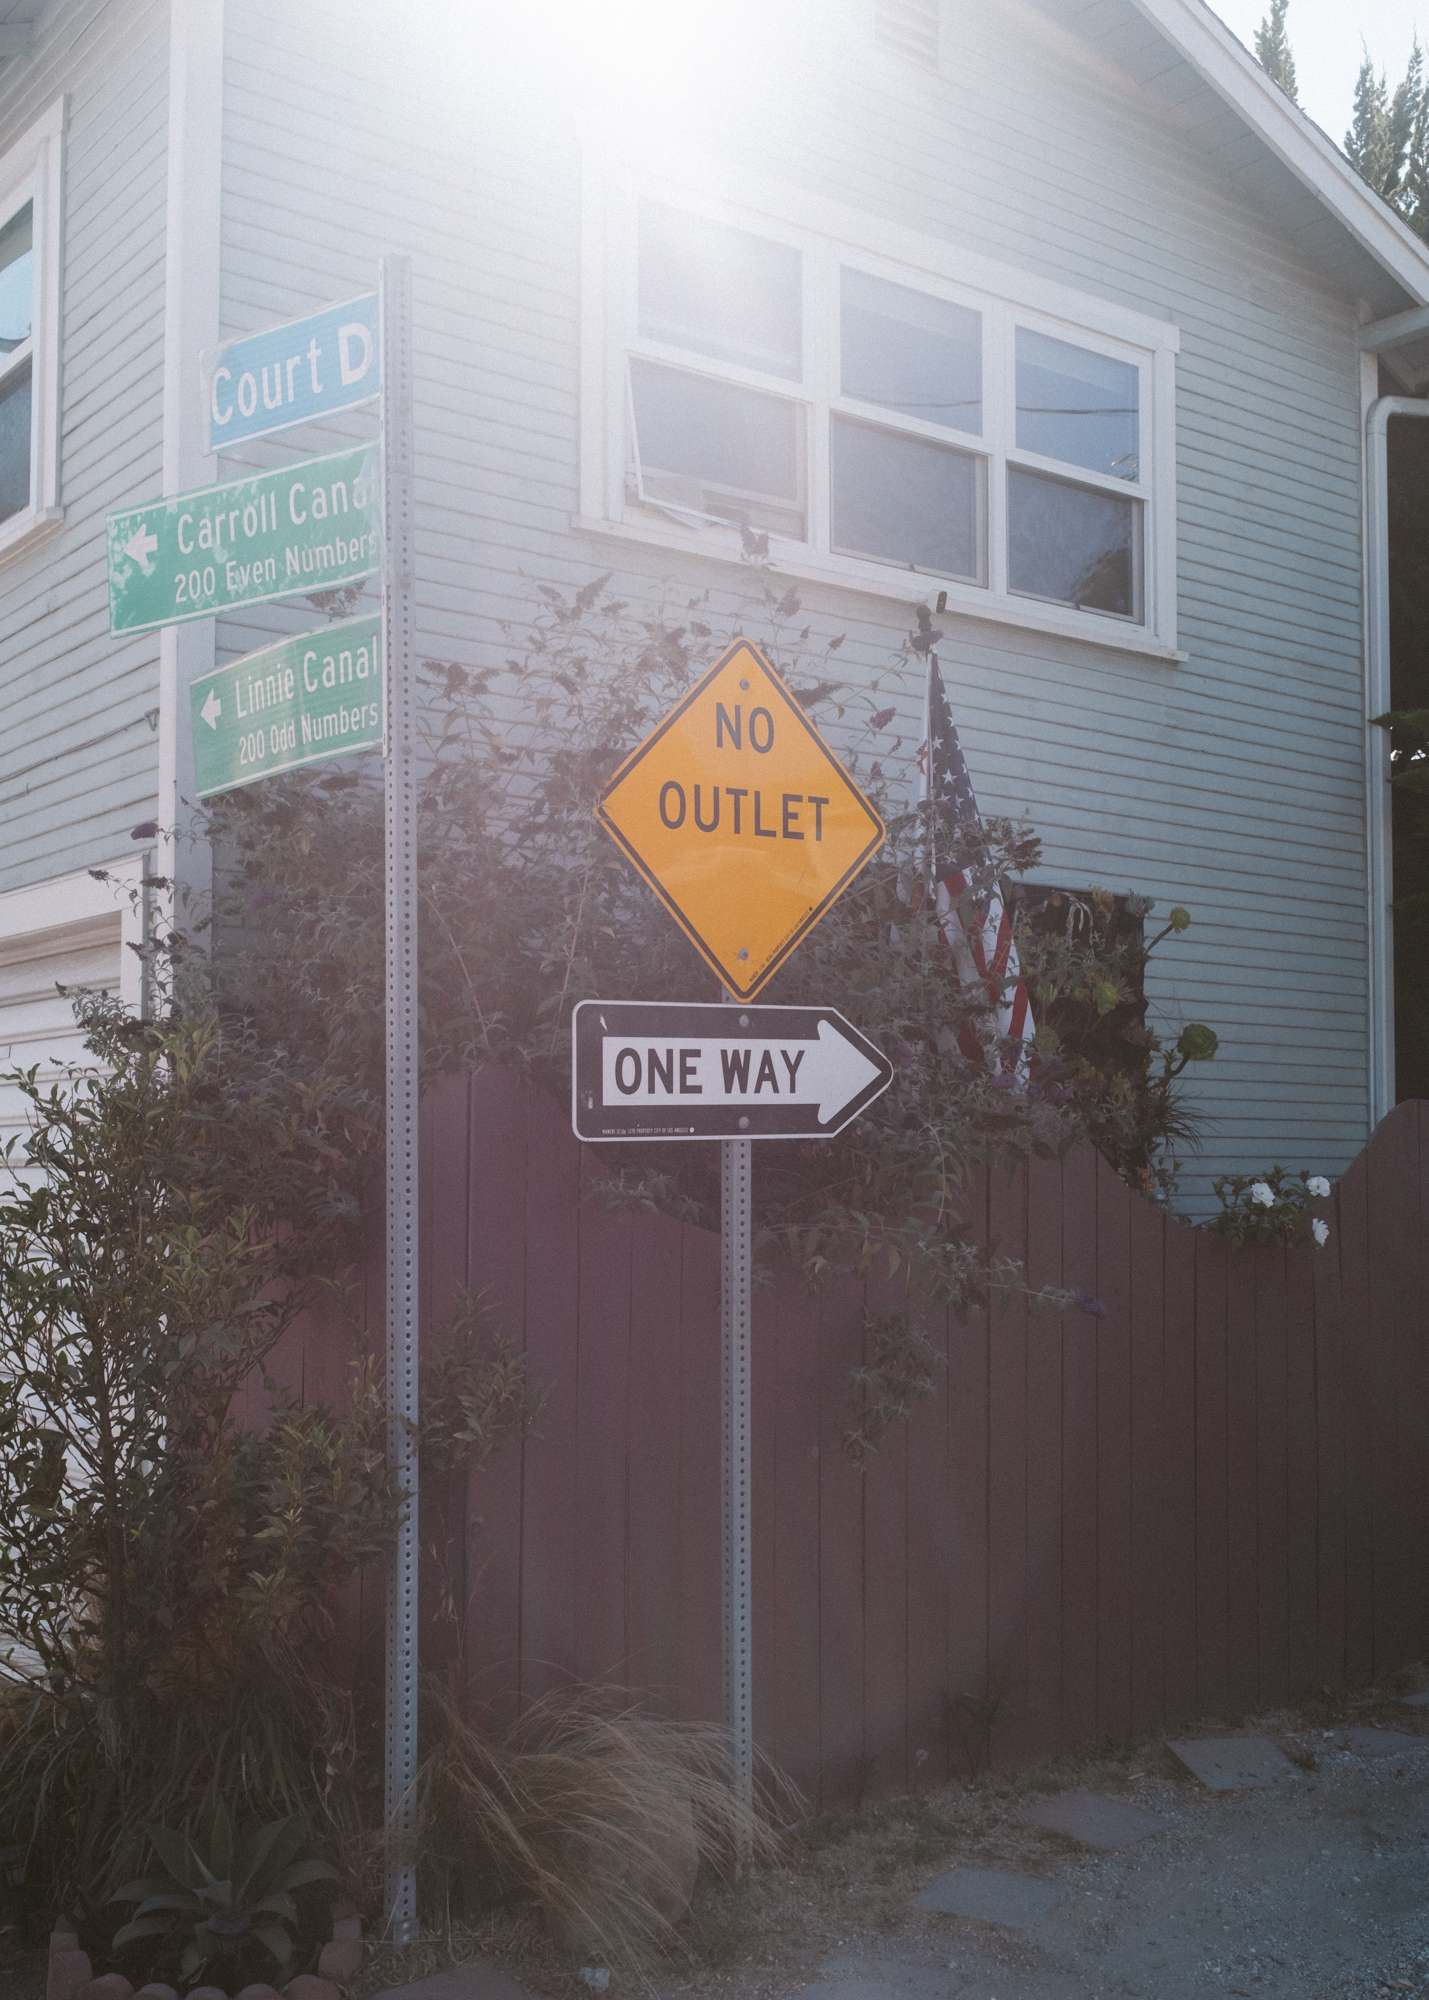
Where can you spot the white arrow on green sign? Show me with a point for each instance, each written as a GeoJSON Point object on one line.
{"type": "Point", "coordinates": [290, 704]}
{"type": "Point", "coordinates": [307, 527]}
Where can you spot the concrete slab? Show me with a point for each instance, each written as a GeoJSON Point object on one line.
{"type": "Point", "coordinates": [992, 1894]}
{"type": "Point", "coordinates": [1092, 1820]}
{"type": "Point", "coordinates": [477, 1980]}
{"type": "Point", "coordinates": [1232, 1763]}
{"type": "Point", "coordinates": [1367, 1742]}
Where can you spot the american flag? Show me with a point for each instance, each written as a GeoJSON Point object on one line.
{"type": "Point", "coordinates": [971, 915]}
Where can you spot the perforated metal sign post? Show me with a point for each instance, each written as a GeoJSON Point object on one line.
{"type": "Point", "coordinates": [747, 827]}
{"type": "Point", "coordinates": [401, 886]}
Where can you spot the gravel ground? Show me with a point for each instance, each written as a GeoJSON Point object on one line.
{"type": "Point", "coordinates": [1313, 1888]}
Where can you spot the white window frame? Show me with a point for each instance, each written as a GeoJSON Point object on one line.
{"type": "Point", "coordinates": [830, 235]}
{"type": "Point", "coordinates": [32, 171]}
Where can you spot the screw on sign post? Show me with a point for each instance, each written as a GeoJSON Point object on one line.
{"type": "Point", "coordinates": [747, 827]}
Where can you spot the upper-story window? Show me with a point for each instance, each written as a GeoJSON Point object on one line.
{"type": "Point", "coordinates": [30, 174]}
{"type": "Point", "coordinates": [880, 410]}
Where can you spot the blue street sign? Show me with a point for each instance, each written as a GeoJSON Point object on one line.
{"type": "Point", "coordinates": [290, 374]}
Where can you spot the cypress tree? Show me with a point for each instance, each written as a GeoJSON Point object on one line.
{"type": "Point", "coordinates": [1273, 50]}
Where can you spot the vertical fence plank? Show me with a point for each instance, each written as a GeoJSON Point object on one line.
{"type": "Point", "coordinates": [967, 1682]}
{"type": "Point", "coordinates": [606, 1249]}
{"type": "Point", "coordinates": [1113, 1453]}
{"type": "Point", "coordinates": [1212, 1621]}
{"type": "Point", "coordinates": [445, 1164]}
{"type": "Point", "coordinates": [1181, 1639]}
{"type": "Point", "coordinates": [1301, 1578]}
{"type": "Point", "coordinates": [652, 1567]}
{"type": "Point", "coordinates": [1272, 1473]}
{"type": "Point", "coordinates": [885, 1581]}
{"type": "Point", "coordinates": [1043, 1581]}
{"type": "Point", "coordinates": [1242, 1546]}
{"type": "Point", "coordinates": [1080, 1330]}
{"type": "Point", "coordinates": [1352, 1202]}
{"type": "Point", "coordinates": [1393, 1164]}
{"type": "Point", "coordinates": [1417, 1393]}
{"type": "Point", "coordinates": [1007, 1473]}
{"type": "Point", "coordinates": [497, 1195]}
{"type": "Point", "coordinates": [841, 1554]}
{"type": "Point", "coordinates": [1149, 1482]}
{"type": "Point", "coordinates": [1330, 1399]}
{"type": "Point", "coordinates": [701, 1542]}
{"type": "Point", "coordinates": [930, 1536]}
{"type": "Point", "coordinates": [788, 1318]}
{"type": "Point", "coordinates": [550, 1539]}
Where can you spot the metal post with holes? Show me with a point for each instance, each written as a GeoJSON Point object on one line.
{"type": "Point", "coordinates": [736, 1288]}
{"type": "Point", "coordinates": [402, 1088]}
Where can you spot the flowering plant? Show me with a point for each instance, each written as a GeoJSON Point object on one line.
{"type": "Point", "coordinates": [1274, 1207]}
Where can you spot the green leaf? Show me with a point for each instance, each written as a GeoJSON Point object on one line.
{"type": "Point", "coordinates": [141, 1927]}
{"type": "Point", "coordinates": [176, 1852]}
{"type": "Point", "coordinates": [177, 1901]}
{"type": "Point", "coordinates": [276, 1940]}
{"type": "Point", "coordinates": [303, 1872]}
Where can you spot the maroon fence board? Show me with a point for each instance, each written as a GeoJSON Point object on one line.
{"type": "Point", "coordinates": [1198, 1488]}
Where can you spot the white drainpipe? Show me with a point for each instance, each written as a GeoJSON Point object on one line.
{"type": "Point", "coordinates": [1377, 700]}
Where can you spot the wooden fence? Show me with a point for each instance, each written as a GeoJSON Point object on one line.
{"type": "Point", "coordinates": [1205, 1496]}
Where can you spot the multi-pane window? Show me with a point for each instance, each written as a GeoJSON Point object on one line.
{"type": "Point", "coordinates": [29, 331]}
{"type": "Point", "coordinates": [882, 417]}
{"type": "Point", "coordinates": [17, 320]}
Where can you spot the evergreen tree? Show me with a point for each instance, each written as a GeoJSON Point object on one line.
{"type": "Point", "coordinates": [1273, 50]}
{"type": "Point", "coordinates": [1367, 141]}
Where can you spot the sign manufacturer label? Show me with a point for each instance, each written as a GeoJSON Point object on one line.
{"type": "Point", "coordinates": [676, 1070]}
{"type": "Point", "coordinates": [310, 526]}
{"type": "Point", "coordinates": [285, 375]}
{"type": "Point", "coordinates": [294, 703]}
{"type": "Point", "coordinates": [741, 819]}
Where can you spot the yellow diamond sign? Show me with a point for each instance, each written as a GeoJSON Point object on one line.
{"type": "Point", "coordinates": [741, 819]}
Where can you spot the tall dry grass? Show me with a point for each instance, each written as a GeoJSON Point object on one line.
{"type": "Point", "coordinates": [599, 1812]}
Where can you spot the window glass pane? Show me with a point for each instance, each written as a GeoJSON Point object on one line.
{"type": "Point", "coordinates": [903, 500]}
{"type": "Point", "coordinates": [17, 262]}
{"type": "Point", "coordinates": [1077, 406]}
{"type": "Point", "coordinates": [719, 449]}
{"type": "Point", "coordinates": [1073, 545]}
{"type": "Point", "coordinates": [913, 353]}
{"type": "Point", "coordinates": [15, 443]}
{"type": "Point", "coordinates": [720, 291]}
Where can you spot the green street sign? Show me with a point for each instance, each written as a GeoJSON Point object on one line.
{"type": "Point", "coordinates": [308, 527]}
{"type": "Point", "coordinates": [290, 704]}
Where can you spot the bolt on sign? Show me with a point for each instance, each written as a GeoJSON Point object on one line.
{"type": "Point", "coordinates": [741, 819]}
{"type": "Point", "coordinates": [292, 703]}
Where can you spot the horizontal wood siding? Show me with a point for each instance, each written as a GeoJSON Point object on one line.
{"type": "Point", "coordinates": [1231, 783]}
{"type": "Point", "coordinates": [79, 754]}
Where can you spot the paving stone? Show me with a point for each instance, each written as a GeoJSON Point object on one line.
{"type": "Point", "coordinates": [1092, 1820]}
{"type": "Point", "coordinates": [1367, 1742]}
{"type": "Point", "coordinates": [993, 1894]}
{"type": "Point", "coordinates": [477, 1980]}
{"type": "Point", "coordinates": [1232, 1763]}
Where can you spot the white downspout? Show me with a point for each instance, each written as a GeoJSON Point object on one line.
{"type": "Point", "coordinates": [1379, 861]}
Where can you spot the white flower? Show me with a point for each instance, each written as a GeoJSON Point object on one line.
{"type": "Point", "coordinates": [1262, 1192]}
{"type": "Point", "coordinates": [1320, 1231]}
{"type": "Point", "coordinates": [1317, 1184]}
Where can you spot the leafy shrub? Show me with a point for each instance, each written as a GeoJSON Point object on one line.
{"type": "Point", "coordinates": [222, 1901]}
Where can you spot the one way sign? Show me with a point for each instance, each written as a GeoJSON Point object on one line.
{"type": "Point", "coordinates": [677, 1070]}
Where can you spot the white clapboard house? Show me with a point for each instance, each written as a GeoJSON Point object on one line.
{"type": "Point", "coordinates": [1058, 307]}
